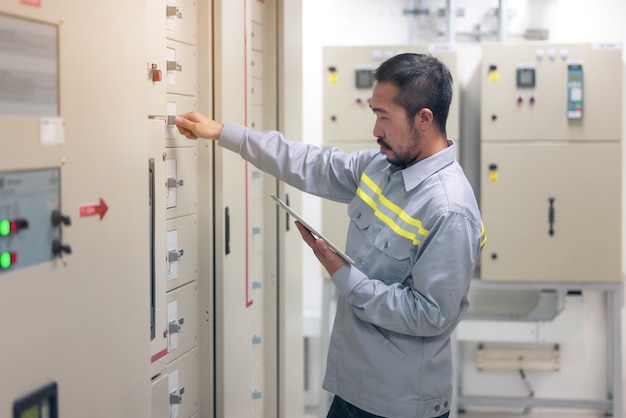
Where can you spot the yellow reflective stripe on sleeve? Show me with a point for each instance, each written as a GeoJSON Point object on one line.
{"type": "Point", "coordinates": [483, 237]}
{"type": "Point", "coordinates": [373, 202]}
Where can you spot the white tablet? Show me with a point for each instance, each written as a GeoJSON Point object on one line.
{"type": "Point", "coordinates": [311, 229]}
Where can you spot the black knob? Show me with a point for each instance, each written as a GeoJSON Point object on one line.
{"type": "Point", "coordinates": [58, 248]}
{"type": "Point", "coordinates": [21, 224]}
{"type": "Point", "coordinates": [58, 218]}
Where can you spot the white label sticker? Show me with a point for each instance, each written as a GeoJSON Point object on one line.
{"type": "Point", "coordinates": [52, 131]}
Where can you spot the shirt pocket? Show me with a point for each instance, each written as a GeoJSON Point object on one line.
{"type": "Point", "coordinates": [361, 214]}
{"type": "Point", "coordinates": [386, 342]}
{"type": "Point", "coordinates": [395, 256]}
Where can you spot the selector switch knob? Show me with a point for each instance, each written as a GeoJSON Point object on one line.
{"type": "Point", "coordinates": [58, 248]}
{"type": "Point", "coordinates": [58, 218]}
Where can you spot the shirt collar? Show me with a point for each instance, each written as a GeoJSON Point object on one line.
{"type": "Point", "coordinates": [415, 174]}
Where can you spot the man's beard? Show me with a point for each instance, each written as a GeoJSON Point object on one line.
{"type": "Point", "coordinates": [398, 162]}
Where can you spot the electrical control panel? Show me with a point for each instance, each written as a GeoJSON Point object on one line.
{"type": "Point", "coordinates": [73, 203]}
{"type": "Point", "coordinates": [551, 162]}
{"type": "Point", "coordinates": [535, 91]}
{"type": "Point", "coordinates": [30, 218]}
{"type": "Point", "coordinates": [155, 277]}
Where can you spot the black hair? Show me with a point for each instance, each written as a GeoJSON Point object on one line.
{"type": "Point", "coordinates": [423, 81]}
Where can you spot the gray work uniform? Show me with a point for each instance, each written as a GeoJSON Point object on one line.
{"type": "Point", "coordinates": [416, 235]}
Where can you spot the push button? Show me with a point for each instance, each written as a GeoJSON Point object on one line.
{"type": "Point", "coordinates": [7, 259]}
{"type": "Point", "coordinates": [10, 226]}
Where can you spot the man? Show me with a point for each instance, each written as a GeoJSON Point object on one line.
{"type": "Point", "coordinates": [415, 234]}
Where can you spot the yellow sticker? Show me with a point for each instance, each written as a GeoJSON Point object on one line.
{"type": "Point", "coordinates": [494, 76]}
{"type": "Point", "coordinates": [333, 78]}
{"type": "Point", "coordinates": [493, 176]}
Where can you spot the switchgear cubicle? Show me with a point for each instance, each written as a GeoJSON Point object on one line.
{"type": "Point", "coordinates": [138, 268]}
{"type": "Point", "coordinates": [551, 162]}
{"type": "Point", "coordinates": [551, 202]}
{"type": "Point", "coordinates": [73, 207]}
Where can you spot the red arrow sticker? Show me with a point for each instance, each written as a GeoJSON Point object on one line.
{"type": "Point", "coordinates": [92, 210]}
{"type": "Point", "coordinates": [34, 3]}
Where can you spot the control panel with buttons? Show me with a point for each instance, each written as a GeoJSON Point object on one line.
{"type": "Point", "coordinates": [30, 218]}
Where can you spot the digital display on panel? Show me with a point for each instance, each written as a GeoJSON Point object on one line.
{"type": "Point", "coordinates": [364, 78]}
{"type": "Point", "coordinates": [525, 77]}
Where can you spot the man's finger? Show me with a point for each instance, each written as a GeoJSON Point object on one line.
{"type": "Point", "coordinates": [306, 234]}
{"type": "Point", "coordinates": [184, 127]}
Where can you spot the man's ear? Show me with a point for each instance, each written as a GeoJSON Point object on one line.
{"type": "Point", "coordinates": [423, 119]}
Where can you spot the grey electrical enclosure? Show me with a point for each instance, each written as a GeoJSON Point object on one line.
{"type": "Point", "coordinates": [551, 162]}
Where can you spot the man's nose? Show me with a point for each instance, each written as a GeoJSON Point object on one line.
{"type": "Point", "coordinates": [377, 132]}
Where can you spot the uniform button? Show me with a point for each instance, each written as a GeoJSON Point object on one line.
{"type": "Point", "coordinates": [358, 216]}
{"type": "Point", "coordinates": [445, 405]}
{"type": "Point", "coordinates": [386, 244]}
{"type": "Point", "coordinates": [437, 407]}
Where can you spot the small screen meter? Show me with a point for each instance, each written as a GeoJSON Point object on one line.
{"type": "Point", "coordinates": [525, 77]}
{"type": "Point", "coordinates": [574, 91]}
{"type": "Point", "coordinates": [364, 78]}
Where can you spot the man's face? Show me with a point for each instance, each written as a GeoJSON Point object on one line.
{"type": "Point", "coordinates": [398, 139]}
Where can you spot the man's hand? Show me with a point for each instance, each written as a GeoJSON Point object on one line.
{"type": "Point", "coordinates": [195, 125]}
{"type": "Point", "coordinates": [329, 259]}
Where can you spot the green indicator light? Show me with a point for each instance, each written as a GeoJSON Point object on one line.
{"type": "Point", "coordinates": [5, 227]}
{"type": "Point", "coordinates": [5, 260]}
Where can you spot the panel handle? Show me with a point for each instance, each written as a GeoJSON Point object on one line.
{"type": "Point", "coordinates": [287, 218]}
{"type": "Point", "coordinates": [551, 215]}
{"type": "Point", "coordinates": [227, 230]}
{"type": "Point", "coordinates": [152, 220]}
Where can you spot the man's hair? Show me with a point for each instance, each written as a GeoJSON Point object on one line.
{"type": "Point", "coordinates": [422, 81]}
